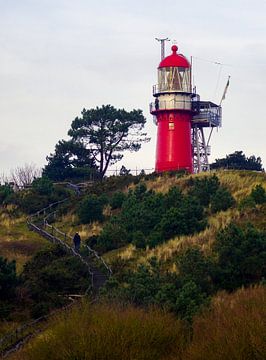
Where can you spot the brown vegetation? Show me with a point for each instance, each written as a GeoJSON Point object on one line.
{"type": "Point", "coordinates": [234, 328]}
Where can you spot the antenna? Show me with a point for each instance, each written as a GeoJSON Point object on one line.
{"type": "Point", "coordinates": [162, 41]}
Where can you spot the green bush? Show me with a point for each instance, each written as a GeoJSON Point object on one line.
{"type": "Point", "coordinates": [5, 192]}
{"type": "Point", "coordinates": [221, 200]}
{"type": "Point", "coordinates": [258, 194]}
{"type": "Point", "coordinates": [117, 200]}
{"type": "Point", "coordinates": [42, 186]}
{"type": "Point", "coordinates": [90, 209]}
{"type": "Point", "coordinates": [51, 274]}
{"type": "Point", "coordinates": [204, 188]}
{"type": "Point", "coordinates": [241, 254]}
{"type": "Point", "coordinates": [112, 237]}
{"type": "Point", "coordinates": [8, 278]}
{"type": "Point", "coordinates": [138, 239]}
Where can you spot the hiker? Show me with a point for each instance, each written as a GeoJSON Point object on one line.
{"type": "Point", "coordinates": [76, 241]}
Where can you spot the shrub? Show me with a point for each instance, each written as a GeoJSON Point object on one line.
{"type": "Point", "coordinates": [110, 332]}
{"type": "Point", "coordinates": [90, 209]}
{"type": "Point", "coordinates": [190, 299]}
{"type": "Point", "coordinates": [138, 239]}
{"type": "Point", "coordinates": [183, 220]}
{"type": "Point", "coordinates": [258, 194]}
{"type": "Point", "coordinates": [42, 186]}
{"type": "Point", "coordinates": [234, 328]}
{"type": "Point", "coordinates": [5, 192]}
{"type": "Point", "coordinates": [204, 188]}
{"type": "Point", "coordinates": [8, 278]}
{"type": "Point", "coordinates": [117, 200]}
{"type": "Point", "coordinates": [221, 200]}
{"type": "Point", "coordinates": [194, 266]}
{"type": "Point", "coordinates": [112, 237]}
{"type": "Point", "coordinates": [241, 256]}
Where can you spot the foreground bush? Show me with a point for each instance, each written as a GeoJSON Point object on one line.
{"type": "Point", "coordinates": [111, 333]}
{"type": "Point", "coordinates": [234, 328]}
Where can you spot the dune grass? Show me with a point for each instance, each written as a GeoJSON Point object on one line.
{"type": "Point", "coordinates": [234, 328]}
{"type": "Point", "coordinates": [16, 241]}
{"type": "Point", "coordinates": [102, 332]}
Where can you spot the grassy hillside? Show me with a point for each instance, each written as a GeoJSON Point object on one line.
{"type": "Point", "coordinates": [232, 328]}
{"type": "Point", "coordinates": [174, 242]}
{"type": "Point", "coordinates": [16, 241]}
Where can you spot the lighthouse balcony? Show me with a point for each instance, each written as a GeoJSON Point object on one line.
{"type": "Point", "coordinates": [173, 104]}
{"type": "Point", "coordinates": [206, 114]}
{"type": "Point", "coordinates": [171, 88]}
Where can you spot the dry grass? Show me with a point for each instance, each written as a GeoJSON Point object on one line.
{"type": "Point", "coordinates": [68, 223]}
{"type": "Point", "coordinates": [240, 183]}
{"type": "Point", "coordinates": [109, 332]}
{"type": "Point", "coordinates": [234, 328]}
{"type": "Point", "coordinates": [16, 241]}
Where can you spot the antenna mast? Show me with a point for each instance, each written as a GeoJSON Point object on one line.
{"type": "Point", "coordinates": [162, 41]}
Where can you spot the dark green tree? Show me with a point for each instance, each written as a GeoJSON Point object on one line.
{"type": "Point", "coordinates": [5, 192]}
{"type": "Point", "coordinates": [90, 209]}
{"type": "Point", "coordinates": [241, 256]}
{"type": "Point", "coordinates": [8, 278]}
{"type": "Point", "coordinates": [107, 132]}
{"type": "Point", "coordinates": [238, 161]}
{"type": "Point", "coordinates": [43, 186]}
{"type": "Point", "coordinates": [203, 188]}
{"type": "Point", "coordinates": [71, 159]}
{"type": "Point", "coordinates": [194, 266]}
{"type": "Point", "coordinates": [221, 200]}
{"type": "Point", "coordinates": [258, 194]}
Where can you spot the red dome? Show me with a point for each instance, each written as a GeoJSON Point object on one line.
{"type": "Point", "coordinates": [174, 60]}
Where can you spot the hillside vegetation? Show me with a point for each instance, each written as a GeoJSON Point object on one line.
{"type": "Point", "coordinates": [180, 248]}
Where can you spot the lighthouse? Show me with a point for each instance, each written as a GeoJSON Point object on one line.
{"type": "Point", "coordinates": [182, 119]}
{"type": "Point", "coordinates": [173, 113]}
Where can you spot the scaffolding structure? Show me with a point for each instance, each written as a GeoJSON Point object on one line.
{"type": "Point", "coordinates": [207, 116]}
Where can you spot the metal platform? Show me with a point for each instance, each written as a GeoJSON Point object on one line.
{"type": "Point", "coordinates": [206, 114]}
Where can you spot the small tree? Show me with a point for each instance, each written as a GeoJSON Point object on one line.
{"type": "Point", "coordinates": [108, 132]}
{"type": "Point", "coordinates": [258, 194]}
{"type": "Point", "coordinates": [90, 209]}
{"type": "Point", "coordinates": [241, 256]}
{"type": "Point", "coordinates": [221, 200]}
{"type": "Point", "coordinates": [43, 186]}
{"type": "Point", "coordinates": [8, 278]}
{"type": "Point", "coordinates": [5, 192]}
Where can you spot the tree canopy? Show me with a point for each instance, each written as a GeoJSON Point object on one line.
{"type": "Point", "coordinates": [238, 161]}
{"type": "Point", "coordinates": [98, 139]}
{"type": "Point", "coordinates": [107, 132]}
{"type": "Point", "coordinates": [71, 160]}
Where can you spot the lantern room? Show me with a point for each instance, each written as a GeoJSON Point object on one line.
{"type": "Point", "coordinates": [174, 74]}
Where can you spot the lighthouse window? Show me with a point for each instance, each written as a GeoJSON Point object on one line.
{"type": "Point", "coordinates": [171, 126]}
{"type": "Point", "coordinates": [174, 79]}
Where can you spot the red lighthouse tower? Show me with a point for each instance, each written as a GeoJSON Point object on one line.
{"type": "Point", "coordinates": [182, 118]}
{"type": "Point", "coordinates": [173, 113]}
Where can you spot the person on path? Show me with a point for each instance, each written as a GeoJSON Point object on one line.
{"type": "Point", "coordinates": [76, 241]}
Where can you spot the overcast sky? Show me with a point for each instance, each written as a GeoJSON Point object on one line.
{"type": "Point", "coordinates": [59, 56]}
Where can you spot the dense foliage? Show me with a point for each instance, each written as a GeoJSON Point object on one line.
{"type": "Point", "coordinates": [71, 160]}
{"type": "Point", "coordinates": [238, 161]}
{"type": "Point", "coordinates": [5, 192]}
{"type": "Point", "coordinates": [238, 259]}
{"type": "Point", "coordinates": [147, 218]}
{"type": "Point", "coordinates": [8, 284]}
{"type": "Point", "coordinates": [98, 139]}
{"type": "Point", "coordinates": [50, 275]}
